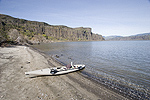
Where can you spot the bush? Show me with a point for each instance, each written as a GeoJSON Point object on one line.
{"type": "Point", "coordinates": [45, 36]}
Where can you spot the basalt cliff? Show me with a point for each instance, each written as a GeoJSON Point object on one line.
{"type": "Point", "coordinates": [25, 31]}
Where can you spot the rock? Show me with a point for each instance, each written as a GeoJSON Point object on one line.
{"type": "Point", "coordinates": [69, 58]}
{"type": "Point", "coordinates": [13, 34]}
{"type": "Point", "coordinates": [57, 56]}
{"type": "Point", "coordinates": [28, 62]}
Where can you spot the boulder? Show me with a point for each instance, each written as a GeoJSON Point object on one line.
{"type": "Point", "coordinates": [13, 34]}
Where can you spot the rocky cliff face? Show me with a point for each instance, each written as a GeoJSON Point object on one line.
{"type": "Point", "coordinates": [33, 31]}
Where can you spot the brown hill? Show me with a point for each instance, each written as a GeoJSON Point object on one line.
{"type": "Point", "coordinates": [143, 36]}
{"type": "Point", "coordinates": [21, 30]}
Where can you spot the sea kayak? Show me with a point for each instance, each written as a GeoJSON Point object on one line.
{"type": "Point", "coordinates": [56, 70]}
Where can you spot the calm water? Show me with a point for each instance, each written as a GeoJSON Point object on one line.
{"type": "Point", "coordinates": [123, 66]}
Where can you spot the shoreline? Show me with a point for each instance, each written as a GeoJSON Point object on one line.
{"type": "Point", "coordinates": [14, 61]}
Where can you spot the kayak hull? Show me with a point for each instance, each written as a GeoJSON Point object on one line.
{"type": "Point", "coordinates": [55, 71]}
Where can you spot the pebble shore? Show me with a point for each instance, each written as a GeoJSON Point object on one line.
{"type": "Point", "coordinates": [15, 85]}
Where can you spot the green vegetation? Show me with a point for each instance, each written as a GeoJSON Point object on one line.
{"type": "Point", "coordinates": [45, 36]}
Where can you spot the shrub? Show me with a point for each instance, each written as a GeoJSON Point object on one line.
{"type": "Point", "coordinates": [45, 36]}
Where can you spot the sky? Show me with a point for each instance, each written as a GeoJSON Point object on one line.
{"type": "Point", "coordinates": [105, 17]}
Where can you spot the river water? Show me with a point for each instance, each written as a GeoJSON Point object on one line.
{"type": "Point", "coordinates": [123, 66]}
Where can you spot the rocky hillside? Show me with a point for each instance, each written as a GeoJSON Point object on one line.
{"type": "Point", "coordinates": [21, 30]}
{"type": "Point", "coordinates": [111, 37]}
{"type": "Point", "coordinates": [144, 36]}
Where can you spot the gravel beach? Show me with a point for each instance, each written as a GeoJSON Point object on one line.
{"type": "Point", "coordinates": [15, 85]}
